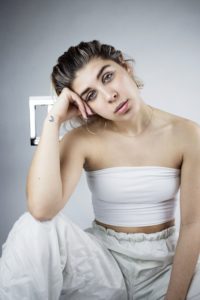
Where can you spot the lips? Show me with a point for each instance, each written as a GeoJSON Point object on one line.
{"type": "Point", "coordinates": [120, 105]}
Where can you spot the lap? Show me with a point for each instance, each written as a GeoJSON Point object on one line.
{"type": "Point", "coordinates": [89, 264]}
{"type": "Point", "coordinates": [63, 254]}
{"type": "Point", "coordinates": [146, 261]}
{"type": "Point", "coordinates": [155, 287]}
{"type": "Point", "coordinates": [91, 270]}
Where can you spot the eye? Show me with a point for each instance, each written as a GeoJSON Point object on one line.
{"type": "Point", "coordinates": [107, 76]}
{"type": "Point", "coordinates": [90, 96]}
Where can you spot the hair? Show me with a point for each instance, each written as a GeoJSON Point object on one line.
{"type": "Point", "coordinates": [76, 57]}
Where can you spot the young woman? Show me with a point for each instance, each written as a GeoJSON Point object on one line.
{"type": "Point", "coordinates": [135, 157]}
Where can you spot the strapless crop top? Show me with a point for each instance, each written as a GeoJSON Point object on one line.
{"type": "Point", "coordinates": [134, 196]}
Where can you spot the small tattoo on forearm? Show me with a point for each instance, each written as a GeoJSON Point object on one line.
{"type": "Point", "coordinates": [51, 118]}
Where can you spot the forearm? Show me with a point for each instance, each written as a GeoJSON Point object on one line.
{"type": "Point", "coordinates": [44, 185]}
{"type": "Point", "coordinates": [185, 260]}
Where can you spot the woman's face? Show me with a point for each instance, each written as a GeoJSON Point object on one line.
{"type": "Point", "coordinates": [103, 85]}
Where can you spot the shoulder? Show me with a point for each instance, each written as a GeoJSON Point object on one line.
{"type": "Point", "coordinates": [77, 140]}
{"type": "Point", "coordinates": [182, 128]}
{"type": "Point", "coordinates": [187, 137]}
{"type": "Point", "coordinates": [87, 133]}
{"type": "Point", "coordinates": [75, 137]}
{"type": "Point", "coordinates": [83, 133]}
{"type": "Point", "coordinates": [187, 131]}
{"type": "Point", "coordinates": [182, 133]}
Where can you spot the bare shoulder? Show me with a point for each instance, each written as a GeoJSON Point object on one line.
{"type": "Point", "coordinates": [186, 132]}
{"type": "Point", "coordinates": [181, 133]}
{"type": "Point", "coordinates": [76, 136]}
{"type": "Point", "coordinates": [81, 134]}
{"type": "Point", "coordinates": [78, 140]}
{"type": "Point", "coordinates": [186, 129]}
{"type": "Point", "coordinates": [182, 126]}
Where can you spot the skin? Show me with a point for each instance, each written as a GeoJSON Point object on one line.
{"type": "Point", "coordinates": [175, 142]}
{"type": "Point", "coordinates": [114, 86]}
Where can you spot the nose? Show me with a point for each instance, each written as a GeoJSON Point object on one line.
{"type": "Point", "coordinates": [111, 96]}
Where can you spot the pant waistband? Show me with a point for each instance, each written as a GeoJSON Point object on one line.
{"type": "Point", "coordinates": [163, 234]}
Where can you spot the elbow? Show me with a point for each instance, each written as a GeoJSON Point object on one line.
{"type": "Point", "coordinates": [39, 214]}
{"type": "Point", "coordinates": [43, 210]}
{"type": "Point", "coordinates": [39, 217]}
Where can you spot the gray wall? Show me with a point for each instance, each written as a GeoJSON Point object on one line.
{"type": "Point", "coordinates": [163, 37]}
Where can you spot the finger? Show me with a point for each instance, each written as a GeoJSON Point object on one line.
{"type": "Point", "coordinates": [80, 106]}
{"type": "Point", "coordinates": [86, 107]}
{"type": "Point", "coordinates": [89, 111]}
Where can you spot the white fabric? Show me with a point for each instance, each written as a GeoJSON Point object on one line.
{"type": "Point", "coordinates": [44, 260]}
{"type": "Point", "coordinates": [134, 196]}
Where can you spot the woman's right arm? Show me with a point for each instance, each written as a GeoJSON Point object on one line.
{"type": "Point", "coordinates": [44, 185]}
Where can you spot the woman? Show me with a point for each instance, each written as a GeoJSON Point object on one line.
{"type": "Point", "coordinates": [135, 157]}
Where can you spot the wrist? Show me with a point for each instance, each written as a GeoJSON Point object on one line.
{"type": "Point", "coordinates": [54, 119]}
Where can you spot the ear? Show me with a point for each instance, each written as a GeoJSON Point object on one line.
{"type": "Point", "coordinates": [128, 68]}
{"type": "Point", "coordinates": [130, 71]}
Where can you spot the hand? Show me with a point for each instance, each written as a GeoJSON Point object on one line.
{"type": "Point", "coordinates": [69, 105]}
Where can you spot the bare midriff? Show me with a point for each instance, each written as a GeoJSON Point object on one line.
{"type": "Point", "coordinates": [145, 229]}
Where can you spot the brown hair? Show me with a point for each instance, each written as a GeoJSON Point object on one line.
{"type": "Point", "coordinates": [76, 57]}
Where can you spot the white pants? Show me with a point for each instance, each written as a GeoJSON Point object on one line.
{"type": "Point", "coordinates": [56, 259]}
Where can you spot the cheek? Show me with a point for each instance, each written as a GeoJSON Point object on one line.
{"type": "Point", "coordinates": [100, 109]}
{"type": "Point", "coordinates": [95, 107]}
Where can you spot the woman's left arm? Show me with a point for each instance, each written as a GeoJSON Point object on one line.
{"type": "Point", "coordinates": [188, 244]}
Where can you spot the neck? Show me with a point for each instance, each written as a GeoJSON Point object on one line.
{"type": "Point", "coordinates": [139, 119]}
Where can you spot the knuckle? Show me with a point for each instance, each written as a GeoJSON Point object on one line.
{"type": "Point", "coordinates": [64, 90]}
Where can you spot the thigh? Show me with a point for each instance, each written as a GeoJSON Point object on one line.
{"type": "Point", "coordinates": [58, 256]}
{"type": "Point", "coordinates": [160, 285]}
{"type": "Point", "coordinates": [30, 266]}
{"type": "Point", "coordinates": [90, 271]}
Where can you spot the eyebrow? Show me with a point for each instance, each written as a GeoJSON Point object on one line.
{"type": "Point", "coordinates": [98, 75]}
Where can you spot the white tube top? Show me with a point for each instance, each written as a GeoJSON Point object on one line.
{"type": "Point", "coordinates": [134, 196]}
